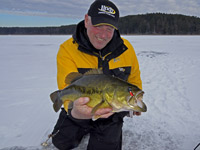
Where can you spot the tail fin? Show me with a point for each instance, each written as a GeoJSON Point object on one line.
{"type": "Point", "coordinates": [57, 102]}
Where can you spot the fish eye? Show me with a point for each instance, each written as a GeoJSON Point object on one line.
{"type": "Point", "coordinates": [129, 89]}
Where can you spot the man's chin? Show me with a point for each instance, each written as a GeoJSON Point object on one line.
{"type": "Point", "coordinates": [99, 47]}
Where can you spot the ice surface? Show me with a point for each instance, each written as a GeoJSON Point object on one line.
{"type": "Point", "coordinates": [170, 71]}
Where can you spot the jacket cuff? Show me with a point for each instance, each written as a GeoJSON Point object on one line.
{"type": "Point", "coordinates": [79, 122]}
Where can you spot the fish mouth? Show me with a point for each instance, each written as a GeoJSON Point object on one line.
{"type": "Point", "coordinates": [139, 105]}
{"type": "Point", "coordinates": [139, 95]}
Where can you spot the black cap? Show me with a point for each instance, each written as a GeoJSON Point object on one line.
{"type": "Point", "coordinates": [104, 12]}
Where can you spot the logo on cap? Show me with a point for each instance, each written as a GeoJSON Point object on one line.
{"type": "Point", "coordinates": [107, 10]}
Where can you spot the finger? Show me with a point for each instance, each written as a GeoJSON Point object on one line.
{"type": "Point", "coordinates": [107, 115]}
{"type": "Point", "coordinates": [82, 101]}
{"type": "Point", "coordinates": [103, 111]}
{"type": "Point", "coordinates": [137, 113]}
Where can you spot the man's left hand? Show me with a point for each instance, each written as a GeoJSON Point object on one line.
{"type": "Point", "coordinates": [137, 113]}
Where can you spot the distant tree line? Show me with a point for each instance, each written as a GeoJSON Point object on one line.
{"type": "Point", "coordinates": [154, 23]}
{"type": "Point", "coordinates": [38, 30]}
{"type": "Point", "coordinates": [159, 23]}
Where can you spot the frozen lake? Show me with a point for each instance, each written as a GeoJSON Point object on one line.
{"type": "Point", "coordinates": [170, 71]}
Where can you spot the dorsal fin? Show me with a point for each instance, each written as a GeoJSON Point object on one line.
{"type": "Point", "coordinates": [73, 76]}
{"type": "Point", "coordinates": [94, 71]}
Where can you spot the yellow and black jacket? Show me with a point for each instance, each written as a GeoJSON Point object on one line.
{"type": "Point", "coordinates": [77, 54]}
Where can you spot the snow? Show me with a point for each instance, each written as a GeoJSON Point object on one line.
{"type": "Point", "coordinates": [170, 73]}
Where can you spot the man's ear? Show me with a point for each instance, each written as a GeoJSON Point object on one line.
{"type": "Point", "coordinates": [86, 20]}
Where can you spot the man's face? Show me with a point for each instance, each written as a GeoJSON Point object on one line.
{"type": "Point", "coordinates": [99, 36]}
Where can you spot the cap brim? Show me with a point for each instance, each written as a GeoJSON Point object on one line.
{"type": "Point", "coordinates": [97, 21]}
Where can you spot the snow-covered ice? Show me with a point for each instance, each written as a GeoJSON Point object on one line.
{"type": "Point", "coordinates": [170, 71]}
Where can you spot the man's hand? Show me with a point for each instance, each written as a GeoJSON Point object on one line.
{"type": "Point", "coordinates": [81, 111]}
{"type": "Point", "coordinates": [137, 113]}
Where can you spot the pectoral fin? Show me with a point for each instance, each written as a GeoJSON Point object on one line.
{"type": "Point", "coordinates": [95, 117]}
{"type": "Point", "coordinates": [95, 108]}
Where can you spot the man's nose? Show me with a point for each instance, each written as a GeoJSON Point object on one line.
{"type": "Point", "coordinates": [103, 34]}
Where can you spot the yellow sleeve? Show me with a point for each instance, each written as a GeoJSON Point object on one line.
{"type": "Point", "coordinates": [134, 77]}
{"type": "Point", "coordinates": [65, 65]}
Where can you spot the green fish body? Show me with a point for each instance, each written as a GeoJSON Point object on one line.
{"type": "Point", "coordinates": [103, 90]}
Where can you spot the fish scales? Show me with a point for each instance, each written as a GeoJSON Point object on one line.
{"type": "Point", "coordinates": [103, 91]}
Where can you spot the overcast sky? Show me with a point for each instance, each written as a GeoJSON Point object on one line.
{"type": "Point", "coordinates": [63, 12]}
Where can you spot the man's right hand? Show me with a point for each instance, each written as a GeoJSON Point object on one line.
{"type": "Point", "coordinates": [80, 110]}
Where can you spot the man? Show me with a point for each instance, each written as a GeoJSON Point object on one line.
{"type": "Point", "coordinates": [95, 44]}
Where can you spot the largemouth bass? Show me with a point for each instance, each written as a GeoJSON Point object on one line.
{"type": "Point", "coordinates": [103, 90]}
